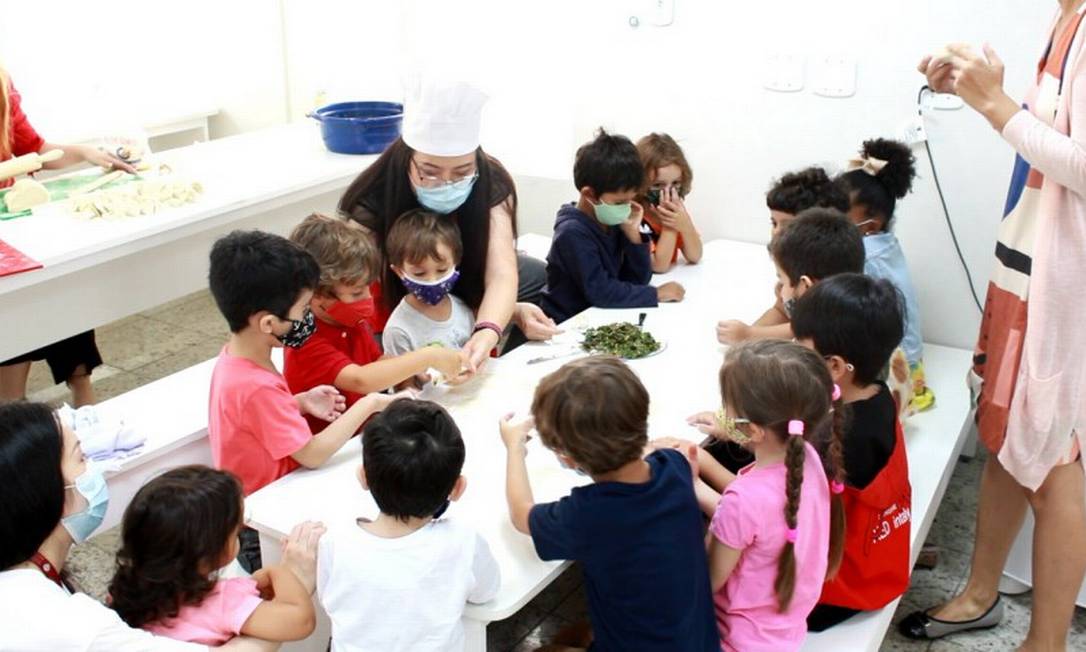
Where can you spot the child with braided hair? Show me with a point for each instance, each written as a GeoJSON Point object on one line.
{"type": "Point", "coordinates": [776, 535]}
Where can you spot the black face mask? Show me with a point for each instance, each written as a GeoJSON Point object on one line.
{"type": "Point", "coordinates": [653, 195]}
{"type": "Point", "coordinates": [300, 330]}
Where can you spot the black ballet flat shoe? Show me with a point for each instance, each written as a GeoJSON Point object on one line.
{"type": "Point", "coordinates": [921, 626]}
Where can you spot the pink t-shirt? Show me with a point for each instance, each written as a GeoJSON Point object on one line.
{"type": "Point", "coordinates": [253, 422]}
{"type": "Point", "coordinates": [218, 618]}
{"type": "Point", "coordinates": [750, 517]}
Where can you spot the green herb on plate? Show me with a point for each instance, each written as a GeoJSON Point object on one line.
{"type": "Point", "coordinates": [622, 339]}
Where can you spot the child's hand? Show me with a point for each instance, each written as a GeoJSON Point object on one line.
{"type": "Point", "coordinates": [300, 552]}
{"type": "Point", "coordinates": [451, 363]}
{"type": "Point", "coordinates": [732, 331]}
{"type": "Point", "coordinates": [324, 402]}
{"type": "Point", "coordinates": [672, 211]}
{"type": "Point", "coordinates": [514, 435]}
{"type": "Point", "coordinates": [705, 422]}
{"type": "Point", "coordinates": [689, 449]}
{"type": "Point", "coordinates": [670, 292]}
{"type": "Point", "coordinates": [535, 323]}
{"type": "Point", "coordinates": [632, 226]}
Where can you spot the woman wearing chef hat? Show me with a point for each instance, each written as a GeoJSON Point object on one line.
{"type": "Point", "coordinates": [438, 164]}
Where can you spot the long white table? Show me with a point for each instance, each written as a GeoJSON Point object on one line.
{"type": "Point", "coordinates": [734, 279]}
{"type": "Point", "coordinates": [103, 270]}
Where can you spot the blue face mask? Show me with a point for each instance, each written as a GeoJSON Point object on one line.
{"type": "Point", "coordinates": [92, 486]}
{"type": "Point", "coordinates": [434, 292]}
{"type": "Point", "coordinates": [447, 197]}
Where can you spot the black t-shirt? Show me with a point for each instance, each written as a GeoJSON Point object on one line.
{"type": "Point", "coordinates": [870, 437]}
{"type": "Point", "coordinates": [643, 554]}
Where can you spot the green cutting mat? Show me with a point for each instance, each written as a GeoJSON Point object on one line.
{"type": "Point", "coordinates": [59, 188]}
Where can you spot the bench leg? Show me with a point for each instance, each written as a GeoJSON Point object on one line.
{"type": "Point", "coordinates": [474, 635]}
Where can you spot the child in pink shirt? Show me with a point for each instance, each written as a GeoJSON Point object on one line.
{"type": "Point", "coordinates": [773, 539]}
{"type": "Point", "coordinates": [178, 531]}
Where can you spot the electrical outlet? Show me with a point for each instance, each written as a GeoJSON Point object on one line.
{"type": "Point", "coordinates": [913, 131]}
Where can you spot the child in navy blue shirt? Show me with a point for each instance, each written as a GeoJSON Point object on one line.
{"type": "Point", "coordinates": [636, 530]}
{"type": "Point", "coordinates": [598, 255]}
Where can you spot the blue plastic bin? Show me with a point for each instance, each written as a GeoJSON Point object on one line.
{"type": "Point", "coordinates": [359, 127]}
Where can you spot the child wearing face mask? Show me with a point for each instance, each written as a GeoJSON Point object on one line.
{"type": "Point", "coordinates": [262, 284]}
{"type": "Point", "coordinates": [789, 196]}
{"type": "Point", "coordinates": [876, 179]}
{"type": "Point", "coordinates": [666, 221]}
{"type": "Point", "coordinates": [167, 581]}
{"type": "Point", "coordinates": [776, 534]}
{"type": "Point", "coordinates": [424, 250]}
{"type": "Point", "coordinates": [343, 351]}
{"type": "Point", "coordinates": [598, 255]}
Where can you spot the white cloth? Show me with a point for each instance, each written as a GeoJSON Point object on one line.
{"type": "Point", "coordinates": [36, 615]}
{"type": "Point", "coordinates": [100, 437]}
{"type": "Point", "coordinates": [409, 330]}
{"type": "Point", "coordinates": [442, 117]}
{"type": "Point", "coordinates": [406, 594]}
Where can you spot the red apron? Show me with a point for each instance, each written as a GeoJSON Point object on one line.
{"type": "Point", "coordinates": [878, 519]}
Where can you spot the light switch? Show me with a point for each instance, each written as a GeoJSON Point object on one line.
{"type": "Point", "coordinates": [833, 76]}
{"type": "Point", "coordinates": [662, 12]}
{"type": "Point", "coordinates": [783, 73]}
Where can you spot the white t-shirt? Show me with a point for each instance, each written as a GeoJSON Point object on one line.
{"type": "Point", "coordinates": [406, 594]}
{"type": "Point", "coordinates": [37, 615]}
{"type": "Point", "coordinates": [408, 329]}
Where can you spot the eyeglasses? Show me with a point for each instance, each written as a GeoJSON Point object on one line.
{"type": "Point", "coordinates": [430, 181]}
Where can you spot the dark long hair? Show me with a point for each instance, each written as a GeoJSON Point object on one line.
{"type": "Point", "coordinates": [32, 501]}
{"type": "Point", "coordinates": [174, 533]}
{"type": "Point", "coordinates": [383, 192]}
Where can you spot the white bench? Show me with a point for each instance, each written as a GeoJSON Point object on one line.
{"type": "Point", "coordinates": [933, 441]}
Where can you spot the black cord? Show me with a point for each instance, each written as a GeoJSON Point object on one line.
{"type": "Point", "coordinates": [942, 200]}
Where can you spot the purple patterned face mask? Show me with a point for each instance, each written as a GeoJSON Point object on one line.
{"type": "Point", "coordinates": [432, 292]}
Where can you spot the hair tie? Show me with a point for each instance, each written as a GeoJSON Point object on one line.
{"type": "Point", "coordinates": [836, 392]}
{"type": "Point", "coordinates": [868, 164]}
{"type": "Point", "coordinates": [837, 487]}
{"type": "Point", "coordinates": [791, 534]}
{"type": "Point", "coordinates": [795, 428]}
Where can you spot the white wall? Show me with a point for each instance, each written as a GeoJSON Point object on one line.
{"type": "Point", "coordinates": [88, 68]}
{"type": "Point", "coordinates": [555, 71]}
{"type": "Point", "coordinates": [560, 69]}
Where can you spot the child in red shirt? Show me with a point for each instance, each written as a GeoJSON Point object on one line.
{"type": "Point", "coordinates": [262, 284]}
{"type": "Point", "coordinates": [343, 351]}
{"type": "Point", "coordinates": [667, 222]}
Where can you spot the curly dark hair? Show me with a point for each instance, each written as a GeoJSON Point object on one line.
{"type": "Point", "coordinates": [174, 533]}
{"type": "Point", "coordinates": [879, 194]}
{"type": "Point", "coordinates": [810, 187]}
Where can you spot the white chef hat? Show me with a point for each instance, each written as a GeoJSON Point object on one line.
{"type": "Point", "coordinates": [442, 117]}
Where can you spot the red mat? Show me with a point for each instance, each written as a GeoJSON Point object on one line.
{"type": "Point", "coordinates": [13, 261]}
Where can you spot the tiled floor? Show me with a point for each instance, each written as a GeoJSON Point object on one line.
{"type": "Point", "coordinates": [156, 343]}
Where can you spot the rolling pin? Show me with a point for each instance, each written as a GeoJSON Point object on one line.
{"type": "Point", "coordinates": [27, 163]}
{"type": "Point", "coordinates": [98, 183]}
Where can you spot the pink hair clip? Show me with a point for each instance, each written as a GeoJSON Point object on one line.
{"type": "Point", "coordinates": [837, 487]}
{"type": "Point", "coordinates": [795, 428]}
{"type": "Point", "coordinates": [791, 534]}
{"type": "Point", "coordinates": [836, 392]}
